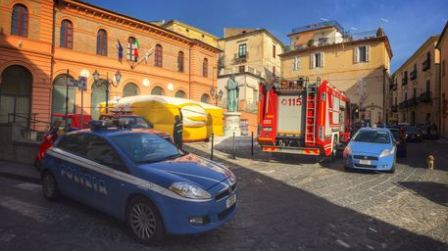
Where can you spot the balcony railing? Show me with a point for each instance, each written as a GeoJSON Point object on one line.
{"type": "Point", "coordinates": [240, 58]}
{"type": "Point", "coordinates": [413, 74]}
{"type": "Point", "coordinates": [425, 97]}
{"type": "Point", "coordinates": [426, 65]}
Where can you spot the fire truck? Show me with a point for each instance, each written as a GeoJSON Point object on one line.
{"type": "Point", "coordinates": [303, 117]}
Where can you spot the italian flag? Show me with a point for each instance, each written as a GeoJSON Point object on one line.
{"type": "Point", "coordinates": [136, 47]}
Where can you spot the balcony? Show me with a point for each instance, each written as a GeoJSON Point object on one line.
{"type": "Point", "coordinates": [403, 105]}
{"type": "Point", "coordinates": [413, 74]}
{"type": "Point", "coordinates": [426, 65]}
{"type": "Point", "coordinates": [238, 59]}
{"type": "Point", "coordinates": [425, 97]}
{"type": "Point", "coordinates": [404, 81]}
{"type": "Point", "coordinates": [412, 102]}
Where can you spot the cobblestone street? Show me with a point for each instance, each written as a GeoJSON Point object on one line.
{"type": "Point", "coordinates": [282, 206]}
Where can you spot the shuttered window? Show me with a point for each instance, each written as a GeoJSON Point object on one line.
{"type": "Point", "coordinates": [19, 21]}
{"type": "Point", "coordinates": [66, 40]}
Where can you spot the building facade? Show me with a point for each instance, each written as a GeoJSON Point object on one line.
{"type": "Point", "coordinates": [250, 55]}
{"type": "Point", "coordinates": [44, 44]}
{"type": "Point", "coordinates": [358, 64]}
{"type": "Point", "coordinates": [442, 47]}
{"type": "Point", "coordinates": [190, 31]}
{"type": "Point", "coordinates": [416, 91]}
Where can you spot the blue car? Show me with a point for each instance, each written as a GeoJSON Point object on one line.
{"type": "Point", "coordinates": [141, 179]}
{"type": "Point", "coordinates": [371, 149]}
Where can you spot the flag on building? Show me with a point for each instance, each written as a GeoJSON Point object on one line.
{"type": "Point", "coordinates": [136, 47]}
{"type": "Point", "coordinates": [120, 51]}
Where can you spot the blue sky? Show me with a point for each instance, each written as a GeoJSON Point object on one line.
{"type": "Point", "coordinates": [407, 23]}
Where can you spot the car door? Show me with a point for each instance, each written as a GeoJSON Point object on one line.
{"type": "Point", "coordinates": [68, 152]}
{"type": "Point", "coordinates": [109, 172]}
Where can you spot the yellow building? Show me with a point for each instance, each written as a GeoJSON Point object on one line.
{"type": "Point", "coordinates": [358, 64]}
{"type": "Point", "coordinates": [417, 93]}
{"type": "Point", "coordinates": [442, 46]}
{"type": "Point", "coordinates": [190, 32]}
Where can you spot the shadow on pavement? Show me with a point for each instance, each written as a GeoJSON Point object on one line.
{"type": "Point", "coordinates": [435, 192]}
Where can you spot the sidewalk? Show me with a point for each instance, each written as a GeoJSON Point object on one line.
{"type": "Point", "coordinates": [20, 171]}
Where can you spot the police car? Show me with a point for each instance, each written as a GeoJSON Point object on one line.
{"type": "Point", "coordinates": [140, 178]}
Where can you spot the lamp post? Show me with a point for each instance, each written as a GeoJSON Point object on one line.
{"type": "Point", "coordinates": [98, 83]}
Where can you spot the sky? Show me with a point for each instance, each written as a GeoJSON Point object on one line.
{"type": "Point", "coordinates": [407, 23]}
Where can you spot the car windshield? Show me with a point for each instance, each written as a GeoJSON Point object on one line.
{"type": "Point", "coordinates": [146, 148]}
{"type": "Point", "coordinates": [371, 136]}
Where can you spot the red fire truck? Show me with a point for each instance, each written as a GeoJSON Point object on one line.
{"type": "Point", "coordinates": [303, 118]}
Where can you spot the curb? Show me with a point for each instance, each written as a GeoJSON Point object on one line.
{"type": "Point", "coordinates": [20, 177]}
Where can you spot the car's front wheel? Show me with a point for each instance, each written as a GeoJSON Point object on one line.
{"type": "Point", "coordinates": [49, 186]}
{"type": "Point", "coordinates": [144, 220]}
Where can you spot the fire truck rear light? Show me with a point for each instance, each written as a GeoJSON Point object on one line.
{"type": "Point", "coordinates": [267, 129]}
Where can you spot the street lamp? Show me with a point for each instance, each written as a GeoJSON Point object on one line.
{"type": "Point", "coordinates": [99, 83]}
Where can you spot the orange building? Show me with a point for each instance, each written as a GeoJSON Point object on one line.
{"type": "Point", "coordinates": [43, 41]}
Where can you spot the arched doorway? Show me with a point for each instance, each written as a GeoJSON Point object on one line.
{"type": "Point", "coordinates": [180, 94]}
{"type": "Point", "coordinates": [205, 98]}
{"type": "Point", "coordinates": [59, 94]}
{"type": "Point", "coordinates": [97, 96]}
{"type": "Point", "coordinates": [15, 94]}
{"type": "Point", "coordinates": [130, 89]}
{"type": "Point", "coordinates": [157, 91]}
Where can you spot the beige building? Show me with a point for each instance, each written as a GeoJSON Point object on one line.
{"type": "Point", "coordinates": [416, 89]}
{"type": "Point", "coordinates": [358, 64]}
{"type": "Point", "coordinates": [442, 46]}
{"type": "Point", "coordinates": [251, 55]}
{"type": "Point", "coordinates": [190, 31]}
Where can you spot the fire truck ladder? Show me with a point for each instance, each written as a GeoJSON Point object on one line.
{"type": "Point", "coordinates": [310, 111]}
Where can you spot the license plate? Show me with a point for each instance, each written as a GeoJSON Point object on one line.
{"type": "Point", "coordinates": [365, 162]}
{"type": "Point", "coordinates": [231, 200]}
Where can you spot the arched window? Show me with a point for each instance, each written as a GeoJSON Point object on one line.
{"type": "Point", "coordinates": [158, 56]}
{"type": "Point", "coordinates": [132, 51]}
{"type": "Point", "coordinates": [130, 89]}
{"type": "Point", "coordinates": [66, 40]}
{"type": "Point", "coordinates": [205, 68]}
{"type": "Point", "coordinates": [101, 43]}
{"type": "Point", "coordinates": [205, 98]}
{"type": "Point", "coordinates": [180, 94]}
{"type": "Point", "coordinates": [19, 20]}
{"type": "Point", "coordinates": [180, 61]}
{"type": "Point", "coordinates": [59, 103]}
{"type": "Point", "coordinates": [157, 91]}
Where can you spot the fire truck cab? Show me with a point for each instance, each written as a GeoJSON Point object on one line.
{"type": "Point", "coordinates": [301, 117]}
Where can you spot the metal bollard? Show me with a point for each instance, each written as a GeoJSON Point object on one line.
{"type": "Point", "coordinates": [211, 153]}
{"type": "Point", "coordinates": [252, 145]}
{"type": "Point", "coordinates": [233, 146]}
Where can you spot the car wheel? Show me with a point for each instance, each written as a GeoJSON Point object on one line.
{"type": "Point", "coordinates": [144, 221]}
{"type": "Point", "coordinates": [50, 188]}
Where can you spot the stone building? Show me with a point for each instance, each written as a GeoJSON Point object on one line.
{"type": "Point", "coordinates": [442, 47]}
{"type": "Point", "coordinates": [42, 43]}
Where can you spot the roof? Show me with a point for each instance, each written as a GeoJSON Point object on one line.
{"type": "Point", "coordinates": [253, 32]}
{"type": "Point", "coordinates": [382, 38]}
{"type": "Point", "coordinates": [430, 40]}
{"type": "Point", "coordinates": [442, 35]}
{"type": "Point", "coordinates": [317, 26]}
{"type": "Point", "coordinates": [174, 21]}
{"type": "Point", "coordinates": [156, 27]}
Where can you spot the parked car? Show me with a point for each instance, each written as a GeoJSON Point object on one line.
{"type": "Point", "coordinates": [400, 142]}
{"type": "Point", "coordinates": [413, 134]}
{"type": "Point", "coordinates": [141, 179]}
{"type": "Point", "coordinates": [371, 149]}
{"type": "Point", "coordinates": [134, 121]}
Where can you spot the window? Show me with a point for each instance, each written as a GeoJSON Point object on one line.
{"type": "Point", "coordinates": [132, 51]}
{"type": "Point", "coordinates": [130, 89]}
{"type": "Point", "coordinates": [101, 43]}
{"type": "Point", "coordinates": [241, 68]}
{"type": "Point", "coordinates": [361, 54]}
{"type": "Point", "coordinates": [19, 21]}
{"type": "Point", "coordinates": [73, 143]}
{"type": "Point", "coordinates": [180, 61]}
{"type": "Point", "coordinates": [273, 71]}
{"type": "Point", "coordinates": [180, 94]}
{"type": "Point", "coordinates": [274, 53]}
{"type": "Point", "coordinates": [296, 64]}
{"type": "Point", "coordinates": [100, 151]}
{"type": "Point", "coordinates": [205, 68]}
{"type": "Point", "coordinates": [316, 60]}
{"type": "Point", "coordinates": [414, 92]}
{"type": "Point", "coordinates": [242, 50]}
{"type": "Point", "coordinates": [428, 85]}
{"type": "Point", "coordinates": [66, 40]}
{"type": "Point", "coordinates": [157, 91]}
{"type": "Point", "coordinates": [205, 98]}
{"type": "Point", "coordinates": [158, 56]}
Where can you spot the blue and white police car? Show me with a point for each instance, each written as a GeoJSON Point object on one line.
{"type": "Point", "coordinates": [142, 179]}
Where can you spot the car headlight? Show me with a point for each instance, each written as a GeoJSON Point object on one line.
{"type": "Point", "coordinates": [190, 191]}
{"type": "Point", "coordinates": [387, 152]}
